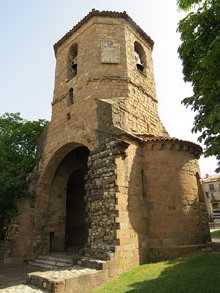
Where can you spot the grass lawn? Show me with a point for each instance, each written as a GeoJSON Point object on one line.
{"type": "Point", "coordinates": [195, 273]}
{"type": "Point", "coordinates": [215, 234]}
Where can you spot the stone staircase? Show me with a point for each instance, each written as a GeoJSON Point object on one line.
{"type": "Point", "coordinates": [62, 273]}
{"type": "Point", "coordinates": [52, 262]}
{"type": "Point", "coordinates": [60, 261]}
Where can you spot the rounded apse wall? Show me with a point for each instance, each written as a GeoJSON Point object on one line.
{"type": "Point", "coordinates": [176, 206]}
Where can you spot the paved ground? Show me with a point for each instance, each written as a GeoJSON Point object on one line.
{"type": "Point", "coordinates": [21, 289]}
{"type": "Point", "coordinates": [12, 279]}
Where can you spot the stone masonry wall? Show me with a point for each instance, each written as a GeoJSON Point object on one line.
{"type": "Point", "coordinates": [101, 189]}
{"type": "Point", "coordinates": [116, 204]}
{"type": "Point", "coordinates": [132, 222]}
{"type": "Point", "coordinates": [19, 235]}
{"type": "Point", "coordinates": [142, 101]}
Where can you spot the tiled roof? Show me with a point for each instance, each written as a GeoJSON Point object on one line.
{"type": "Point", "coordinates": [174, 139]}
{"type": "Point", "coordinates": [145, 138]}
{"type": "Point", "coordinates": [112, 14]}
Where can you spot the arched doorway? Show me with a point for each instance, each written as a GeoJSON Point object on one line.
{"type": "Point", "coordinates": [68, 229]}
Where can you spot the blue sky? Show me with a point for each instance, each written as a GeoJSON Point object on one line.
{"type": "Point", "coordinates": [29, 29]}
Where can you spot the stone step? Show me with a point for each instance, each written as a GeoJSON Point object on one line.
{"type": "Point", "coordinates": [91, 263]}
{"type": "Point", "coordinates": [47, 265]}
{"type": "Point", "coordinates": [59, 280]}
{"type": "Point", "coordinates": [57, 257]}
{"type": "Point", "coordinates": [52, 261]}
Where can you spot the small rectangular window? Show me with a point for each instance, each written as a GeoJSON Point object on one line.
{"type": "Point", "coordinates": [70, 97]}
{"type": "Point", "coordinates": [211, 187]}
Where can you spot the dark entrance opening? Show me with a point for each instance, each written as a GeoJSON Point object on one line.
{"type": "Point", "coordinates": [76, 233]}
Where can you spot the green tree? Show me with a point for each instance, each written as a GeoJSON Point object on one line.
{"type": "Point", "coordinates": [18, 145]}
{"type": "Point", "coordinates": [200, 55]}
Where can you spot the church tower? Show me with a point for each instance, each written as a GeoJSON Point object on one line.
{"type": "Point", "coordinates": [110, 182]}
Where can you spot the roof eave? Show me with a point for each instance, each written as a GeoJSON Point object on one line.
{"type": "Point", "coordinates": [113, 14]}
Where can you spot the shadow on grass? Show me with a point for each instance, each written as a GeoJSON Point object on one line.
{"type": "Point", "coordinates": [194, 273]}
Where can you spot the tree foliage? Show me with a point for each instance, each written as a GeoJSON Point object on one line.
{"type": "Point", "coordinates": [18, 145]}
{"type": "Point", "coordinates": [200, 55]}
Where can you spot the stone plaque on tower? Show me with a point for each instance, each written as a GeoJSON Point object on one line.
{"type": "Point", "coordinates": [110, 52]}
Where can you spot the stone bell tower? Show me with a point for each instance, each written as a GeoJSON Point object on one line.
{"type": "Point", "coordinates": [110, 182]}
{"type": "Point", "coordinates": [104, 81]}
